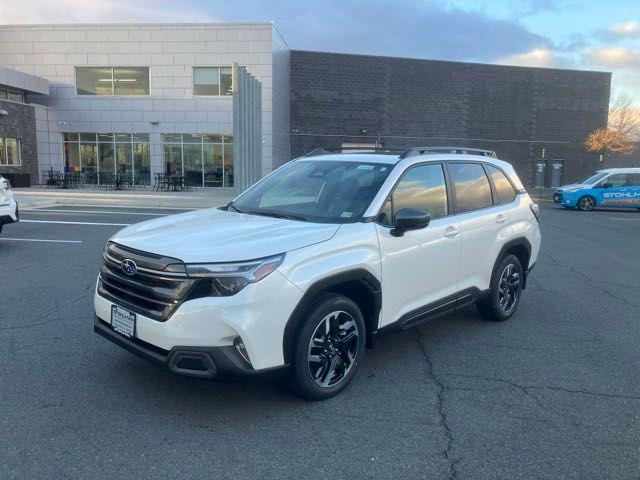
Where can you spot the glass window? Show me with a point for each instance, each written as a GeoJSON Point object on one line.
{"type": "Point", "coordinates": [212, 164]}
{"type": "Point", "coordinates": [106, 161]}
{"type": "Point", "coordinates": [472, 190]}
{"type": "Point", "coordinates": [228, 163]}
{"type": "Point", "coordinates": [11, 152]}
{"type": "Point", "coordinates": [2, 154]}
{"type": "Point", "coordinates": [131, 80]}
{"type": "Point", "coordinates": [112, 80]}
{"type": "Point", "coordinates": [15, 97]}
{"type": "Point", "coordinates": [593, 178]}
{"type": "Point", "coordinates": [504, 190]}
{"type": "Point", "coordinates": [124, 165]}
{"type": "Point", "coordinates": [633, 180]}
{"type": "Point", "coordinates": [617, 180]}
{"type": "Point", "coordinates": [142, 163]}
{"type": "Point", "coordinates": [193, 164]}
{"type": "Point", "coordinates": [96, 155]}
{"type": "Point", "coordinates": [71, 157]}
{"type": "Point", "coordinates": [94, 81]}
{"type": "Point", "coordinates": [316, 190]}
{"type": "Point", "coordinates": [226, 87]}
{"type": "Point", "coordinates": [420, 187]}
{"type": "Point", "coordinates": [3, 94]}
{"type": "Point", "coordinates": [206, 81]}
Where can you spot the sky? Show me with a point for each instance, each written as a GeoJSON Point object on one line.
{"type": "Point", "coordinates": [582, 34]}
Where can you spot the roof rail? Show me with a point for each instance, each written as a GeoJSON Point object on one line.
{"type": "Point", "coordinates": [330, 150]}
{"type": "Point", "coordinates": [414, 151]}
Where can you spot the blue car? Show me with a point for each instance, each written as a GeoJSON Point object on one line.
{"type": "Point", "coordinates": [613, 187]}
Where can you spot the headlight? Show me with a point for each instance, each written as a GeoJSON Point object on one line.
{"type": "Point", "coordinates": [229, 278]}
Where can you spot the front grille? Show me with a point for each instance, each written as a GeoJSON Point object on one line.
{"type": "Point", "coordinates": [156, 290]}
{"type": "Point", "coordinates": [557, 197]}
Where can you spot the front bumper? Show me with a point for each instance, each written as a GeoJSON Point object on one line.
{"type": "Point", "coordinates": [216, 322]}
{"type": "Point", "coordinates": [200, 362]}
{"type": "Point", "coordinates": [564, 198]}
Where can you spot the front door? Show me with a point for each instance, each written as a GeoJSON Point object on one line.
{"type": "Point", "coordinates": [420, 267]}
{"type": "Point", "coordinates": [619, 190]}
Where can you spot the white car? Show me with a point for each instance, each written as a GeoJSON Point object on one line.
{"type": "Point", "coordinates": [8, 206]}
{"type": "Point", "coordinates": [303, 269]}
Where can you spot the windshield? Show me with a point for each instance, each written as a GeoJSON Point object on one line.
{"type": "Point", "coordinates": [593, 178]}
{"type": "Point", "coordinates": [315, 190]}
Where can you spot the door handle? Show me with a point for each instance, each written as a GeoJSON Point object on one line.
{"type": "Point", "coordinates": [501, 218]}
{"type": "Point", "coordinates": [451, 232]}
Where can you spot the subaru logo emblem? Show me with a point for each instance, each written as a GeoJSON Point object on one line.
{"type": "Point", "coordinates": [129, 267]}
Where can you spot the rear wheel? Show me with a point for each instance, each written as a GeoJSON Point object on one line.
{"type": "Point", "coordinates": [506, 289]}
{"type": "Point", "coordinates": [586, 204]}
{"type": "Point", "coordinates": [329, 348]}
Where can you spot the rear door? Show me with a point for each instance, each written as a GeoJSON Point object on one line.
{"type": "Point", "coordinates": [422, 266]}
{"type": "Point", "coordinates": [613, 191]}
{"type": "Point", "coordinates": [480, 220]}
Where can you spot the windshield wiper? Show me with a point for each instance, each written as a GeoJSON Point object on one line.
{"type": "Point", "coordinates": [231, 205]}
{"type": "Point", "coordinates": [269, 213]}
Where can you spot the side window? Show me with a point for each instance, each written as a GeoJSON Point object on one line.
{"type": "Point", "coordinates": [617, 180]}
{"type": "Point", "coordinates": [504, 190]}
{"type": "Point", "coordinates": [633, 180]}
{"type": "Point", "coordinates": [420, 187]}
{"type": "Point", "coordinates": [471, 186]}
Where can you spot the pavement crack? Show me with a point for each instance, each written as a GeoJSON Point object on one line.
{"type": "Point", "coordinates": [447, 452]}
{"type": "Point", "coordinates": [591, 281]}
{"type": "Point", "coordinates": [527, 388]}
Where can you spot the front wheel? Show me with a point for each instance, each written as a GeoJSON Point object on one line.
{"type": "Point", "coordinates": [329, 348]}
{"type": "Point", "coordinates": [586, 204]}
{"type": "Point", "coordinates": [506, 289]}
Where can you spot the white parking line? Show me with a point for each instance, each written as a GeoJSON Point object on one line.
{"type": "Point", "coordinates": [34, 210]}
{"type": "Point", "coordinates": [59, 222]}
{"type": "Point", "coordinates": [9, 239]}
{"type": "Point", "coordinates": [621, 219]}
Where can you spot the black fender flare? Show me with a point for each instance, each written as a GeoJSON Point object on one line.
{"type": "Point", "coordinates": [359, 277]}
{"type": "Point", "coordinates": [521, 242]}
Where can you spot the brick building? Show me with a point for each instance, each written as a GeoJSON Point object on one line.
{"type": "Point", "coordinates": [536, 118]}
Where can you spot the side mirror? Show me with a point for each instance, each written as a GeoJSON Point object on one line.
{"type": "Point", "coordinates": [607, 185]}
{"type": "Point", "coordinates": [409, 219]}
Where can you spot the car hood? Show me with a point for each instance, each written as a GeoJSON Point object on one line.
{"type": "Point", "coordinates": [214, 235]}
{"type": "Point", "coordinates": [571, 186]}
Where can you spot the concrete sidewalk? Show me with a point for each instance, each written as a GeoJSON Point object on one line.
{"type": "Point", "coordinates": [202, 198]}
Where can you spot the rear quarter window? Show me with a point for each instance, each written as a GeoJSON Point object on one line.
{"type": "Point", "coordinates": [504, 191]}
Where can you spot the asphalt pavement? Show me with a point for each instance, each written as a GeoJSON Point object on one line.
{"type": "Point", "coordinates": [552, 393]}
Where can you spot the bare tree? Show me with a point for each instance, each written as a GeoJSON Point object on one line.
{"type": "Point", "coordinates": [624, 117]}
{"type": "Point", "coordinates": [622, 129]}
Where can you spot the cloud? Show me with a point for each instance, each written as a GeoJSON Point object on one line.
{"type": "Point", "coordinates": [424, 29]}
{"type": "Point", "coordinates": [537, 57]}
{"type": "Point", "coordinates": [410, 28]}
{"type": "Point", "coordinates": [630, 28]}
{"type": "Point", "coordinates": [95, 11]}
{"type": "Point", "coordinates": [613, 57]}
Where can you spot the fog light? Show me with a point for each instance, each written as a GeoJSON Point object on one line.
{"type": "Point", "coordinates": [242, 350]}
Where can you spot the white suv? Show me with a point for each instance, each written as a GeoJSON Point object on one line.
{"type": "Point", "coordinates": [303, 269]}
{"type": "Point", "coordinates": [8, 206]}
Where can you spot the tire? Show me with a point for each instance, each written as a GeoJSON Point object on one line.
{"type": "Point", "coordinates": [325, 365]}
{"type": "Point", "coordinates": [586, 203]}
{"type": "Point", "coordinates": [506, 290]}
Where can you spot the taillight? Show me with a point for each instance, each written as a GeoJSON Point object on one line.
{"type": "Point", "coordinates": [535, 209]}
